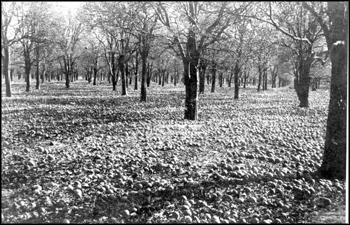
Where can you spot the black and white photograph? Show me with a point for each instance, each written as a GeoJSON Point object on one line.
{"type": "Point", "coordinates": [174, 112]}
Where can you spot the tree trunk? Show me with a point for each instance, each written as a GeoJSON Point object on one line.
{"type": "Point", "coordinates": [143, 76]}
{"type": "Point", "coordinates": [202, 70]}
{"type": "Point", "coordinates": [213, 78]}
{"type": "Point", "coordinates": [95, 76]}
{"type": "Point", "coordinates": [236, 72]}
{"type": "Point", "coordinates": [149, 74]}
{"type": "Point", "coordinates": [136, 71]}
{"type": "Point", "coordinates": [191, 78]}
{"type": "Point", "coordinates": [6, 64]}
{"type": "Point", "coordinates": [220, 78]}
{"type": "Point", "coordinates": [260, 75]}
{"type": "Point", "coordinates": [122, 71]}
{"type": "Point", "coordinates": [334, 156]}
{"type": "Point", "coordinates": [303, 83]}
{"type": "Point", "coordinates": [163, 75]}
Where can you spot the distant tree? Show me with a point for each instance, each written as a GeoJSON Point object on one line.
{"type": "Point", "coordinates": [68, 44]}
{"type": "Point", "coordinates": [334, 21]}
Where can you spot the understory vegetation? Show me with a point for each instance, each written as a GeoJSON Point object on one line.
{"type": "Point", "coordinates": [89, 155]}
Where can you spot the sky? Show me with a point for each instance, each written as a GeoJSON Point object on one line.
{"type": "Point", "coordinates": [68, 5]}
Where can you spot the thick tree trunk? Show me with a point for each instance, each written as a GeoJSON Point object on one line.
{"type": "Point", "coordinates": [27, 68]}
{"type": "Point", "coordinates": [95, 76]}
{"type": "Point", "coordinates": [143, 77]}
{"type": "Point", "coordinates": [191, 91]}
{"type": "Point", "coordinates": [303, 83]}
{"type": "Point", "coordinates": [67, 79]}
{"type": "Point", "coordinates": [334, 156]}
{"type": "Point", "coordinates": [6, 64]}
{"type": "Point", "coordinates": [191, 78]}
{"type": "Point", "coordinates": [213, 78]}
{"type": "Point", "coordinates": [122, 71]}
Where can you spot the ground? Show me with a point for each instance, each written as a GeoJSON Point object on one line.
{"type": "Point", "coordinates": [88, 155]}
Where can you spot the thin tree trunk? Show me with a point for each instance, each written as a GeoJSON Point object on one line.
{"type": "Point", "coordinates": [236, 72]}
{"type": "Point", "coordinates": [260, 75]}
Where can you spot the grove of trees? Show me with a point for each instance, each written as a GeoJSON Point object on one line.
{"type": "Point", "coordinates": [244, 43]}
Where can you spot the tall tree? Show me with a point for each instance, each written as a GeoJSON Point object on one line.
{"type": "Point", "coordinates": [68, 44]}
{"type": "Point", "coordinates": [197, 37]}
{"type": "Point", "coordinates": [8, 10]}
{"type": "Point", "coordinates": [300, 26]}
{"type": "Point", "coordinates": [335, 25]}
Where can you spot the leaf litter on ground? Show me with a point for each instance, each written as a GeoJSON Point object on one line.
{"type": "Point", "coordinates": [89, 155]}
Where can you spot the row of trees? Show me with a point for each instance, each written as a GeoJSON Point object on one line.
{"type": "Point", "coordinates": [196, 38]}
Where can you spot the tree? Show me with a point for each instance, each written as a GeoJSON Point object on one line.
{"type": "Point", "coordinates": [197, 37]}
{"type": "Point", "coordinates": [335, 25]}
{"type": "Point", "coordinates": [70, 35]}
{"type": "Point", "coordinates": [302, 30]}
{"type": "Point", "coordinates": [7, 17]}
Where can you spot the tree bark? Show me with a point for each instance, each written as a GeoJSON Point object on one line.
{"type": "Point", "coordinates": [191, 80]}
{"type": "Point", "coordinates": [136, 71]}
{"type": "Point", "coordinates": [143, 77]}
{"type": "Point", "coordinates": [237, 70]}
{"type": "Point", "coordinates": [122, 71]}
{"type": "Point", "coordinates": [95, 76]}
{"type": "Point", "coordinates": [334, 157]}
{"type": "Point", "coordinates": [202, 70]}
{"type": "Point", "coordinates": [5, 55]}
{"type": "Point", "coordinates": [27, 67]}
{"type": "Point", "coordinates": [213, 78]}
{"type": "Point", "coordinates": [260, 75]}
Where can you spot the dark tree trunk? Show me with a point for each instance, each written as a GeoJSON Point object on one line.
{"type": "Point", "coordinates": [237, 70]}
{"type": "Point", "coordinates": [37, 74]}
{"type": "Point", "coordinates": [145, 71]}
{"type": "Point", "coordinates": [213, 78]}
{"type": "Point", "coordinates": [334, 156]}
{"type": "Point", "coordinates": [27, 68]}
{"type": "Point", "coordinates": [230, 78]}
{"type": "Point", "coordinates": [136, 71]}
{"type": "Point", "coordinates": [202, 70]}
{"type": "Point", "coordinates": [190, 78]}
{"type": "Point", "coordinates": [149, 74]}
{"type": "Point", "coordinates": [122, 71]}
{"type": "Point", "coordinates": [95, 76]}
{"type": "Point", "coordinates": [11, 73]}
{"type": "Point", "coordinates": [265, 79]}
{"type": "Point", "coordinates": [6, 64]}
{"type": "Point", "coordinates": [220, 79]}
{"type": "Point", "coordinates": [303, 83]}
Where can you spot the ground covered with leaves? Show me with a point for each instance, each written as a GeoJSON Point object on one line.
{"type": "Point", "coordinates": [89, 155]}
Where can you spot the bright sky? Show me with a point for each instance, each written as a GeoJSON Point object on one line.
{"type": "Point", "coordinates": [68, 5]}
